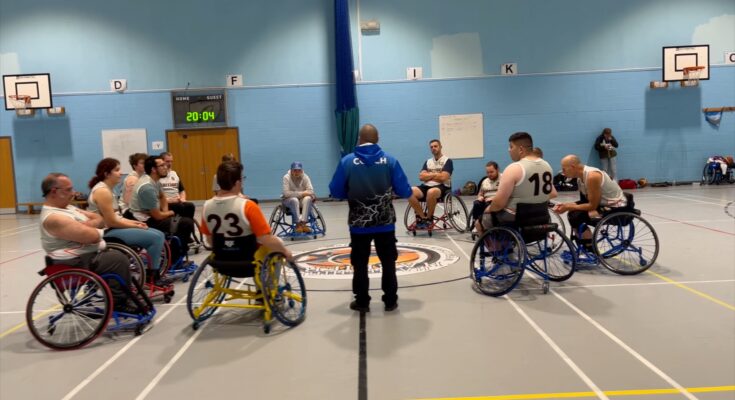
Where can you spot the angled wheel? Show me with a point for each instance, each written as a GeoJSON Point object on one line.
{"type": "Point", "coordinates": [319, 227]}
{"type": "Point", "coordinates": [409, 219]}
{"type": "Point", "coordinates": [283, 289]}
{"type": "Point", "coordinates": [709, 174]}
{"type": "Point", "coordinates": [165, 262]}
{"type": "Point", "coordinates": [625, 243]}
{"type": "Point", "coordinates": [553, 257]}
{"type": "Point", "coordinates": [496, 263]}
{"type": "Point", "coordinates": [137, 265]}
{"type": "Point", "coordinates": [205, 292]}
{"type": "Point", "coordinates": [457, 213]}
{"type": "Point", "coordinates": [275, 218]}
{"type": "Point", "coordinates": [561, 225]}
{"type": "Point", "coordinates": [69, 309]}
{"type": "Point", "coordinates": [197, 239]}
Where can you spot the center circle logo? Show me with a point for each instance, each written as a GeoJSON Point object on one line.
{"type": "Point", "coordinates": [333, 262]}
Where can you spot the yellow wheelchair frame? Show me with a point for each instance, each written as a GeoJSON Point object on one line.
{"type": "Point", "coordinates": [283, 296]}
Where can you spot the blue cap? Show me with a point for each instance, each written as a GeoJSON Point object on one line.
{"type": "Point", "coordinates": [297, 165]}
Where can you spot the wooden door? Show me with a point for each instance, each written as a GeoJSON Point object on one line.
{"type": "Point", "coordinates": [197, 153]}
{"type": "Point", "coordinates": [7, 176]}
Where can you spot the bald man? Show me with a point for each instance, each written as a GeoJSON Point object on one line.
{"type": "Point", "coordinates": [368, 178]}
{"type": "Point", "coordinates": [597, 192]}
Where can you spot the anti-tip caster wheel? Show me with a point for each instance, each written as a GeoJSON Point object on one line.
{"type": "Point", "coordinates": [545, 287]}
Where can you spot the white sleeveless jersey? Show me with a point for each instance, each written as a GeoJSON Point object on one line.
{"type": "Point", "coordinates": [536, 184]}
{"type": "Point", "coordinates": [433, 165]}
{"type": "Point", "coordinates": [62, 249]}
{"type": "Point", "coordinates": [226, 215]}
{"type": "Point", "coordinates": [170, 185]}
{"type": "Point", "coordinates": [611, 195]}
{"type": "Point", "coordinates": [92, 203]}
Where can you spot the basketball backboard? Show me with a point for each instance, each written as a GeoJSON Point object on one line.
{"type": "Point", "coordinates": [37, 86]}
{"type": "Point", "coordinates": [676, 58]}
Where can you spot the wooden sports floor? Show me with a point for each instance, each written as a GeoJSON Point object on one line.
{"type": "Point", "coordinates": [668, 333]}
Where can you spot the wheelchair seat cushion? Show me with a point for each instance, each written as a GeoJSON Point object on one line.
{"type": "Point", "coordinates": [533, 221]}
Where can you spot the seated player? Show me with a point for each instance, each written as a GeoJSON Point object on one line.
{"type": "Point", "coordinates": [527, 180]}
{"type": "Point", "coordinates": [73, 237]}
{"type": "Point", "coordinates": [598, 193]}
{"type": "Point", "coordinates": [436, 175]}
{"type": "Point", "coordinates": [135, 233]}
{"type": "Point", "coordinates": [173, 188]}
{"type": "Point", "coordinates": [233, 216]}
{"type": "Point", "coordinates": [486, 192]}
{"type": "Point", "coordinates": [148, 204]}
{"type": "Point", "coordinates": [298, 196]}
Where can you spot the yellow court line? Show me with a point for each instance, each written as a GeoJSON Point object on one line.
{"type": "Point", "coordinates": [611, 393]}
{"type": "Point", "coordinates": [695, 291]}
{"type": "Point", "coordinates": [22, 324]}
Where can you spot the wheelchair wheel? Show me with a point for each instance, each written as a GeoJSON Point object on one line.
{"type": "Point", "coordinates": [283, 289]}
{"type": "Point", "coordinates": [409, 219]}
{"type": "Point", "coordinates": [709, 174]}
{"type": "Point", "coordinates": [457, 213]}
{"type": "Point", "coordinates": [553, 257]}
{"type": "Point", "coordinates": [319, 224]}
{"type": "Point", "coordinates": [496, 263]}
{"type": "Point", "coordinates": [165, 262]}
{"type": "Point", "coordinates": [561, 224]}
{"type": "Point", "coordinates": [137, 266]}
{"type": "Point", "coordinates": [69, 309]}
{"type": "Point", "coordinates": [275, 220]}
{"type": "Point", "coordinates": [197, 239]}
{"type": "Point", "coordinates": [625, 243]}
{"type": "Point", "coordinates": [203, 290]}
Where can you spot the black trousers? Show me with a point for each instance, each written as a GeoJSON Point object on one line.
{"type": "Point", "coordinates": [181, 227]}
{"type": "Point", "coordinates": [185, 209]}
{"type": "Point", "coordinates": [105, 262]}
{"type": "Point", "coordinates": [385, 246]}
{"type": "Point", "coordinates": [478, 207]}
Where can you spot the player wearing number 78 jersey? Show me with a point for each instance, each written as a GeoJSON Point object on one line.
{"type": "Point", "coordinates": [232, 215]}
{"type": "Point", "coordinates": [529, 179]}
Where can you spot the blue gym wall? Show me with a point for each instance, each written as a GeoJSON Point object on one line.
{"type": "Point", "coordinates": [584, 65]}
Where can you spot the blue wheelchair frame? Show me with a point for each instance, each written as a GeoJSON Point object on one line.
{"type": "Point", "coordinates": [613, 237]}
{"type": "Point", "coordinates": [712, 174]}
{"type": "Point", "coordinates": [286, 230]}
{"type": "Point", "coordinates": [182, 267]}
{"type": "Point", "coordinates": [512, 254]}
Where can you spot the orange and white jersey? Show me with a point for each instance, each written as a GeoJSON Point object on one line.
{"type": "Point", "coordinates": [233, 216]}
{"type": "Point", "coordinates": [62, 249]}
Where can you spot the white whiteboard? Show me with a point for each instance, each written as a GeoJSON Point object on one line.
{"type": "Point", "coordinates": [461, 135]}
{"type": "Point", "coordinates": [121, 143]}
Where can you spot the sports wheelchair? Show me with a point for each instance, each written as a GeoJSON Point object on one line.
{"type": "Point", "coordinates": [555, 219]}
{"type": "Point", "coordinates": [282, 228]}
{"type": "Point", "coordinates": [276, 287]}
{"type": "Point", "coordinates": [622, 241]}
{"type": "Point", "coordinates": [712, 174]}
{"type": "Point", "coordinates": [141, 269]}
{"type": "Point", "coordinates": [503, 252]}
{"type": "Point", "coordinates": [452, 215]}
{"type": "Point", "coordinates": [73, 306]}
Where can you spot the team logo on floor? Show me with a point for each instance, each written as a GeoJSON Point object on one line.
{"type": "Point", "coordinates": [333, 262]}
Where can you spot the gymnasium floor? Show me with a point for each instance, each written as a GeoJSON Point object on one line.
{"type": "Point", "coordinates": [596, 335]}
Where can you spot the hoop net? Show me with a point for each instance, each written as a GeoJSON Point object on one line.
{"type": "Point", "coordinates": [20, 101]}
{"type": "Point", "coordinates": [691, 74]}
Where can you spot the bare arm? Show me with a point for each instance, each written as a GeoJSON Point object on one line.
{"type": "Point", "coordinates": [163, 204]}
{"type": "Point", "coordinates": [594, 184]}
{"type": "Point", "coordinates": [69, 229]}
{"type": "Point", "coordinates": [275, 244]}
{"type": "Point", "coordinates": [158, 215]}
{"type": "Point", "coordinates": [104, 200]}
{"type": "Point", "coordinates": [94, 220]}
{"type": "Point", "coordinates": [508, 180]}
{"type": "Point", "coordinates": [182, 196]}
{"type": "Point", "coordinates": [128, 190]}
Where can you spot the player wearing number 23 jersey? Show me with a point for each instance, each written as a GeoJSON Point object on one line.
{"type": "Point", "coordinates": [233, 216]}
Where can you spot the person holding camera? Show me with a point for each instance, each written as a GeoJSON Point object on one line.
{"type": "Point", "coordinates": [606, 146]}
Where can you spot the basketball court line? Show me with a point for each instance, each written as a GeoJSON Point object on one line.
{"type": "Point", "coordinates": [695, 291]}
{"type": "Point", "coordinates": [19, 257]}
{"type": "Point", "coordinates": [26, 228]}
{"type": "Point", "coordinates": [688, 199]}
{"type": "Point", "coordinates": [578, 395]}
{"type": "Point", "coordinates": [607, 333]}
{"type": "Point", "coordinates": [694, 225]}
{"type": "Point", "coordinates": [574, 367]}
{"type": "Point", "coordinates": [625, 347]}
{"type": "Point", "coordinates": [18, 228]}
{"type": "Point", "coordinates": [707, 197]}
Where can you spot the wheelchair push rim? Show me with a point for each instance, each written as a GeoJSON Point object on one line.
{"type": "Point", "coordinates": [550, 257]}
{"type": "Point", "coordinates": [625, 243]}
{"type": "Point", "coordinates": [204, 292]}
{"type": "Point", "coordinates": [496, 262]}
{"type": "Point", "coordinates": [283, 289]}
{"type": "Point", "coordinates": [69, 309]}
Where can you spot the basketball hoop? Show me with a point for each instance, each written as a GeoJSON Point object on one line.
{"type": "Point", "coordinates": [20, 101]}
{"type": "Point", "coordinates": [691, 75]}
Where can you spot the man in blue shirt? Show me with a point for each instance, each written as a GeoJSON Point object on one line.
{"type": "Point", "coordinates": [368, 178]}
